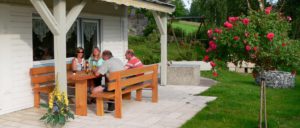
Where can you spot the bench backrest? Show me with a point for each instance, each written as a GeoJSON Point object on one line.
{"type": "Point", "coordinates": [130, 77]}
{"type": "Point", "coordinates": [44, 74]}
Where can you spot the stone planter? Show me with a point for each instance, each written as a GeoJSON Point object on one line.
{"type": "Point", "coordinates": [277, 79]}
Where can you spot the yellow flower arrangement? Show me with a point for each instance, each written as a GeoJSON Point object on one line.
{"type": "Point", "coordinates": [58, 108]}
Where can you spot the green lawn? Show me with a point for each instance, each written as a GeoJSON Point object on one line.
{"type": "Point", "coordinates": [149, 51]}
{"type": "Point", "coordinates": [237, 105]}
{"type": "Point", "coordinates": [188, 27]}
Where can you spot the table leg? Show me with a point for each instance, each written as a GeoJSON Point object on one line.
{"type": "Point", "coordinates": [81, 97]}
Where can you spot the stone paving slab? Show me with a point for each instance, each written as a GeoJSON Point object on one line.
{"type": "Point", "coordinates": [176, 105]}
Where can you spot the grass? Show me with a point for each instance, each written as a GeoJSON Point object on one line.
{"type": "Point", "coordinates": [237, 105]}
{"type": "Point", "coordinates": [188, 27]}
{"type": "Point", "coordinates": [148, 50]}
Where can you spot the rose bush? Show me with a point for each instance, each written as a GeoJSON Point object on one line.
{"type": "Point", "coordinates": [260, 38]}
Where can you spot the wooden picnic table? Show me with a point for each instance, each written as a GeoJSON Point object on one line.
{"type": "Point", "coordinates": [81, 87]}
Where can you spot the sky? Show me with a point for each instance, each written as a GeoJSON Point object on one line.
{"type": "Point", "coordinates": [189, 2]}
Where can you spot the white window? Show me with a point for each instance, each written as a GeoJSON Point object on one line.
{"type": "Point", "coordinates": [83, 33]}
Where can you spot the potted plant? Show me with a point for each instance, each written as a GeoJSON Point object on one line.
{"type": "Point", "coordinates": [58, 109]}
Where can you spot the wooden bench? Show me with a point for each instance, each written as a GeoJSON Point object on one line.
{"type": "Point", "coordinates": [126, 81]}
{"type": "Point", "coordinates": [43, 79]}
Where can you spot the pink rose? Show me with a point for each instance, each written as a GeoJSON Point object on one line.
{"type": "Point", "coordinates": [228, 25]}
{"type": "Point", "coordinates": [236, 38]}
{"type": "Point", "coordinates": [268, 10]}
{"type": "Point", "coordinates": [255, 48]}
{"type": "Point", "coordinates": [247, 34]}
{"type": "Point", "coordinates": [233, 19]}
{"type": "Point", "coordinates": [208, 50]}
{"type": "Point", "coordinates": [212, 64]}
{"type": "Point", "coordinates": [289, 18]}
{"type": "Point", "coordinates": [248, 48]}
{"type": "Point", "coordinates": [245, 21]}
{"type": "Point", "coordinates": [206, 58]}
{"type": "Point", "coordinates": [212, 45]}
{"type": "Point", "coordinates": [219, 31]}
{"type": "Point", "coordinates": [209, 33]}
{"type": "Point", "coordinates": [270, 36]}
{"type": "Point", "coordinates": [214, 38]}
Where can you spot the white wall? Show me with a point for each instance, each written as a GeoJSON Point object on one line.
{"type": "Point", "coordinates": [16, 58]}
{"type": "Point", "coordinates": [113, 37]}
{"type": "Point", "coordinates": [16, 53]}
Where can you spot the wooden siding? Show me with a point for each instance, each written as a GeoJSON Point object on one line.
{"type": "Point", "coordinates": [16, 60]}
{"type": "Point", "coordinates": [16, 52]}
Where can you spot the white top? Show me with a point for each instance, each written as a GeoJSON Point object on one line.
{"type": "Point", "coordinates": [79, 66]}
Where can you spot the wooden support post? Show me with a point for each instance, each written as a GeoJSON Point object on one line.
{"type": "Point", "coordinates": [139, 95]}
{"type": "Point", "coordinates": [81, 97]}
{"type": "Point", "coordinates": [161, 21]}
{"type": "Point", "coordinates": [46, 15]}
{"type": "Point", "coordinates": [59, 24]}
{"type": "Point", "coordinates": [155, 85]}
{"type": "Point", "coordinates": [37, 97]}
{"type": "Point", "coordinates": [118, 97]}
{"type": "Point", "coordinates": [127, 96]}
{"type": "Point", "coordinates": [59, 12]}
{"type": "Point", "coordinates": [99, 106]}
{"type": "Point", "coordinates": [74, 13]}
{"type": "Point", "coordinates": [263, 105]}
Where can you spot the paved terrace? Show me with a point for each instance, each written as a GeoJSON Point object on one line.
{"type": "Point", "coordinates": [176, 105]}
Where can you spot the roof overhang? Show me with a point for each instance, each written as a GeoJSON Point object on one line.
{"type": "Point", "coordinates": [154, 5]}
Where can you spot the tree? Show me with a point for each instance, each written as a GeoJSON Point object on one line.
{"type": "Point", "coordinates": [180, 8]}
{"type": "Point", "coordinates": [217, 11]}
{"type": "Point", "coordinates": [260, 38]}
{"type": "Point", "coordinates": [179, 11]}
{"type": "Point", "coordinates": [292, 8]}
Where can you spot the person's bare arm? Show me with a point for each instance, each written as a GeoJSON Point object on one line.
{"type": "Point", "coordinates": [74, 65]}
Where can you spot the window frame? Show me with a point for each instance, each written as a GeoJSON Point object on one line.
{"type": "Point", "coordinates": [80, 43]}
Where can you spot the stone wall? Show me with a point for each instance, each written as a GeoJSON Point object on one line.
{"type": "Point", "coordinates": [277, 79]}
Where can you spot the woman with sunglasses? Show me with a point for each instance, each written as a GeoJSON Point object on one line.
{"type": "Point", "coordinates": [78, 63]}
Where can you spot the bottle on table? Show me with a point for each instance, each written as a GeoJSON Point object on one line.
{"type": "Point", "coordinates": [87, 70]}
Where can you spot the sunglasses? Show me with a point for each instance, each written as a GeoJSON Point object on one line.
{"type": "Point", "coordinates": [80, 52]}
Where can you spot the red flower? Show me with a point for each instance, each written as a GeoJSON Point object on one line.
{"type": "Point", "coordinates": [245, 21]}
{"type": "Point", "coordinates": [228, 25]}
{"type": "Point", "coordinates": [219, 31]}
{"type": "Point", "coordinates": [283, 44]}
{"type": "Point", "coordinates": [233, 19]}
{"type": "Point", "coordinates": [255, 48]}
{"type": "Point", "coordinates": [212, 45]}
{"type": "Point", "coordinates": [247, 34]}
{"type": "Point", "coordinates": [270, 36]}
{"type": "Point", "coordinates": [268, 10]}
{"type": "Point", "coordinates": [208, 50]}
{"type": "Point", "coordinates": [206, 58]}
{"type": "Point", "coordinates": [248, 48]}
{"type": "Point", "coordinates": [215, 74]}
{"type": "Point", "coordinates": [214, 38]}
{"type": "Point", "coordinates": [209, 33]}
{"type": "Point", "coordinates": [212, 64]}
{"type": "Point", "coordinates": [236, 38]}
{"type": "Point", "coordinates": [289, 18]}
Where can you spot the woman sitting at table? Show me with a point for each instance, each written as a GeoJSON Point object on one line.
{"type": "Point", "coordinates": [95, 61]}
{"type": "Point", "coordinates": [78, 63]}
